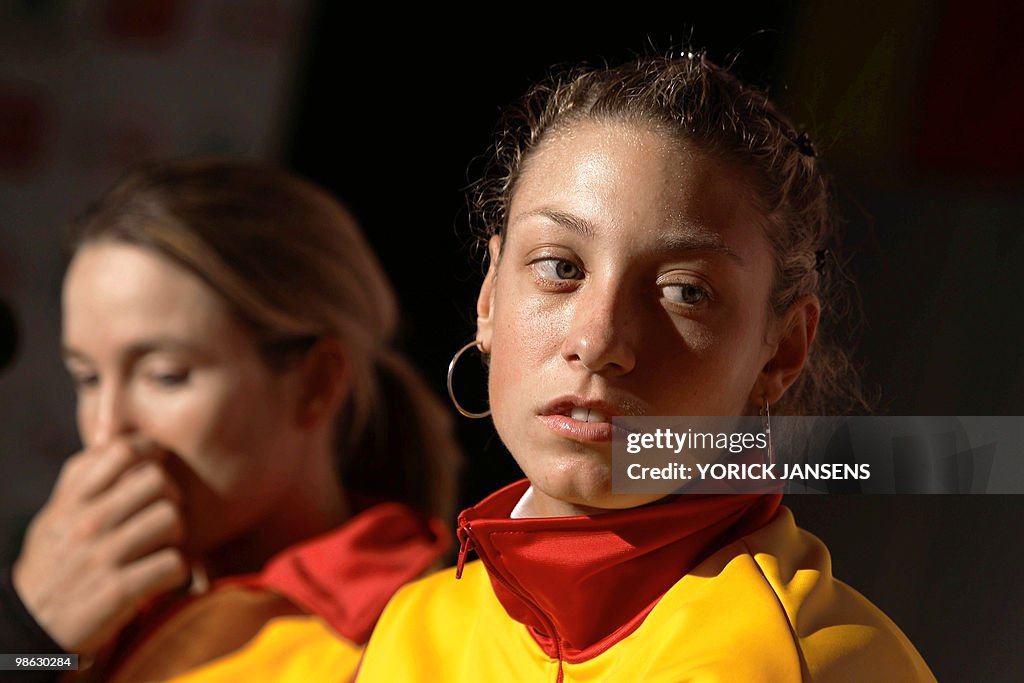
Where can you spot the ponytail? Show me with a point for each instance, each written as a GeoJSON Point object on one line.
{"type": "Point", "coordinates": [407, 450]}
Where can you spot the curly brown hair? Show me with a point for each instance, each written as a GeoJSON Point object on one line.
{"type": "Point", "coordinates": [689, 97]}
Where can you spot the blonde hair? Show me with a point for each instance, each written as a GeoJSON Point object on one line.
{"type": "Point", "coordinates": [291, 262]}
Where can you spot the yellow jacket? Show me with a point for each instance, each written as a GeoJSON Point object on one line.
{"type": "Point", "coordinates": [765, 607]}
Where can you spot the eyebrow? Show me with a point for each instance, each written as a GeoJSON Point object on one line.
{"type": "Point", "coordinates": [139, 348]}
{"type": "Point", "coordinates": [573, 223]}
{"type": "Point", "coordinates": [686, 238]}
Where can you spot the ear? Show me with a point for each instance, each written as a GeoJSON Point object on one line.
{"type": "Point", "coordinates": [485, 301]}
{"type": "Point", "coordinates": [324, 380]}
{"type": "Point", "coordinates": [796, 330]}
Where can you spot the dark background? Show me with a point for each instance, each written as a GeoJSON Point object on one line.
{"type": "Point", "coordinates": [914, 107]}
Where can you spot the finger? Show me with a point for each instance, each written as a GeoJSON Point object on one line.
{"type": "Point", "coordinates": [96, 469]}
{"type": "Point", "coordinates": [153, 574]}
{"type": "Point", "coordinates": [157, 526]}
{"type": "Point", "coordinates": [120, 597]}
{"type": "Point", "coordinates": [88, 472]}
{"type": "Point", "coordinates": [137, 488]}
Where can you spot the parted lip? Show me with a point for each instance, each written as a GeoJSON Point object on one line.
{"type": "Point", "coordinates": [563, 405]}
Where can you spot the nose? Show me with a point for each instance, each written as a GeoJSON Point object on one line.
{"type": "Point", "coordinates": [111, 415]}
{"type": "Point", "coordinates": [603, 334]}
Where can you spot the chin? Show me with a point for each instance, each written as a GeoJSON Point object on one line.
{"type": "Point", "coordinates": [584, 480]}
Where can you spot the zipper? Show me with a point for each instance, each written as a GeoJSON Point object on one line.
{"type": "Point", "coordinates": [466, 544]}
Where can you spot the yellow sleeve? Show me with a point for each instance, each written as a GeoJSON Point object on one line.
{"type": "Point", "coordinates": [840, 634]}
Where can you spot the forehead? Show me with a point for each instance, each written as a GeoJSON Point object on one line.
{"type": "Point", "coordinates": [633, 179]}
{"type": "Point", "coordinates": [116, 294]}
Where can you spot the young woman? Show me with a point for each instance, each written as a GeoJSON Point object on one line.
{"type": "Point", "coordinates": [656, 236]}
{"type": "Point", "coordinates": [258, 464]}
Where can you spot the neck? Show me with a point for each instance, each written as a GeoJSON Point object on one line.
{"type": "Point", "coordinates": [535, 504]}
{"type": "Point", "coordinates": [316, 504]}
{"type": "Point", "coordinates": [282, 529]}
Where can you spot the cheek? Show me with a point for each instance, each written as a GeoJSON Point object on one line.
{"type": "Point", "coordinates": [528, 333]}
{"type": "Point", "coordinates": [224, 432]}
{"type": "Point", "coordinates": [200, 427]}
{"type": "Point", "coordinates": [730, 364]}
{"type": "Point", "coordinates": [699, 367]}
{"type": "Point", "coordinates": [531, 325]}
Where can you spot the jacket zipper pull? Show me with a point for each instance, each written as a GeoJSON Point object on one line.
{"type": "Point", "coordinates": [465, 545]}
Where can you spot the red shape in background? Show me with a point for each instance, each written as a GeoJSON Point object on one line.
{"type": "Point", "coordinates": [26, 126]}
{"type": "Point", "coordinates": [153, 23]}
{"type": "Point", "coordinates": [973, 102]}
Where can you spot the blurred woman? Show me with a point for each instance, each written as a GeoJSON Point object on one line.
{"type": "Point", "coordinates": [259, 464]}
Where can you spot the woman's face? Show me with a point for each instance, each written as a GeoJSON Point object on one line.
{"type": "Point", "coordinates": [633, 280]}
{"type": "Point", "coordinates": [156, 355]}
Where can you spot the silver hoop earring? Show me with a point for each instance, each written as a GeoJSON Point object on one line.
{"type": "Point", "coordinates": [451, 390]}
{"type": "Point", "coordinates": [766, 426]}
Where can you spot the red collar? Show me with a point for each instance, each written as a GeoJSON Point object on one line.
{"type": "Point", "coordinates": [581, 584]}
{"type": "Point", "coordinates": [347, 576]}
